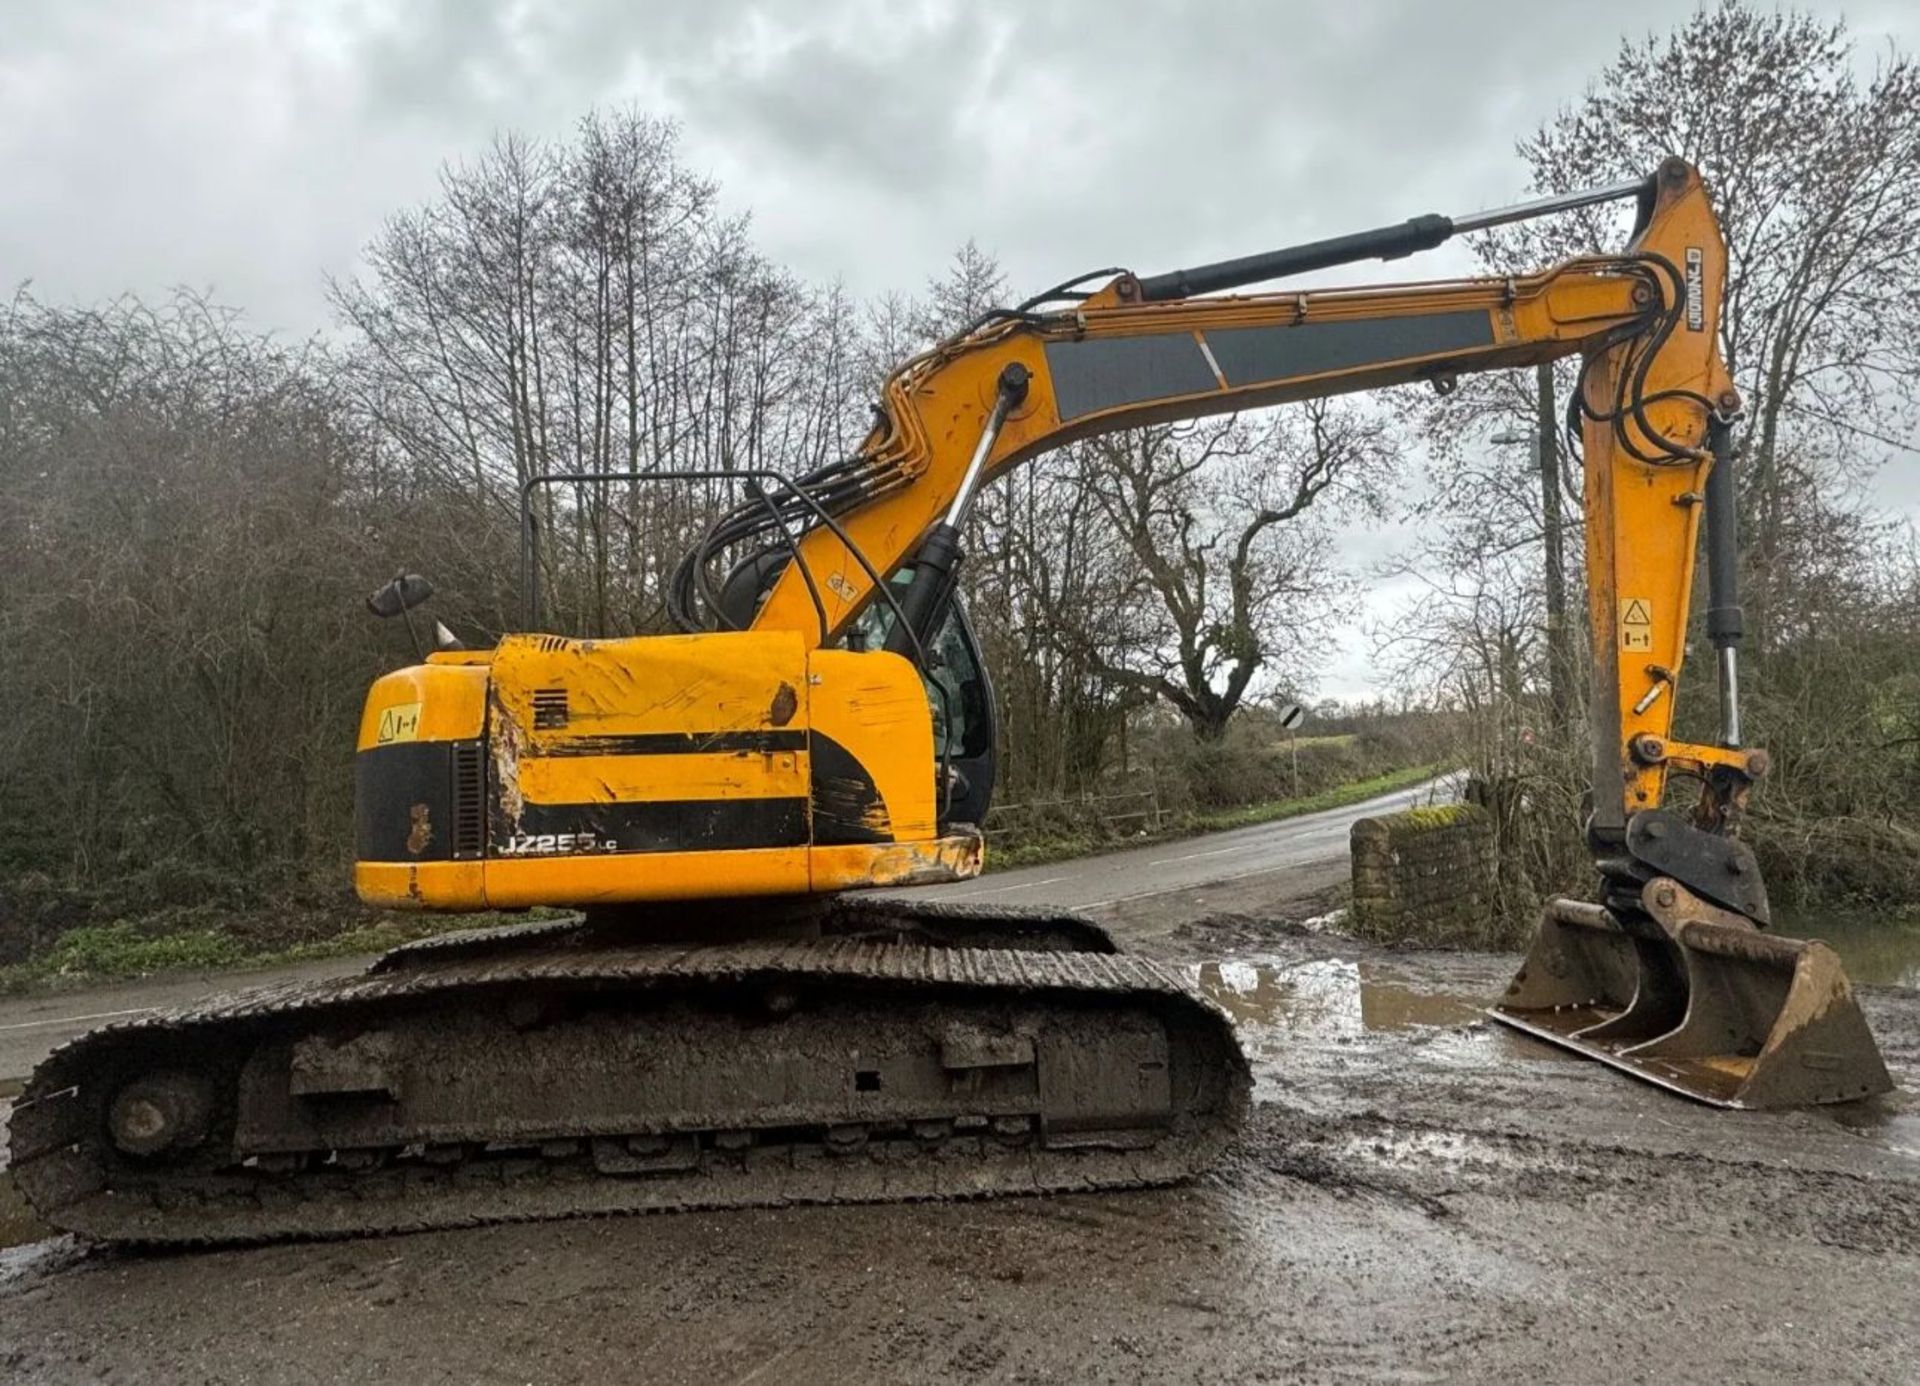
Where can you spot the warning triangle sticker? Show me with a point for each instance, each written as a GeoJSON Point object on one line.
{"type": "Point", "coordinates": [1636, 614]}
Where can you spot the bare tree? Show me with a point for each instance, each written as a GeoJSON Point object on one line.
{"type": "Point", "coordinates": [585, 308]}
{"type": "Point", "coordinates": [973, 283]}
{"type": "Point", "coordinates": [1809, 159]}
{"type": "Point", "coordinates": [1811, 170]}
{"type": "Point", "coordinates": [1234, 574]}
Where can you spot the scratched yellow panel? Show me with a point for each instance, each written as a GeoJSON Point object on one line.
{"type": "Point", "coordinates": [875, 706]}
{"type": "Point", "coordinates": [515, 882]}
{"type": "Point", "coordinates": [424, 703]}
{"type": "Point", "coordinates": [653, 685]}
{"type": "Point", "coordinates": [658, 778]}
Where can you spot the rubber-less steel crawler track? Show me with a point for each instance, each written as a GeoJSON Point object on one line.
{"type": "Point", "coordinates": [552, 1073]}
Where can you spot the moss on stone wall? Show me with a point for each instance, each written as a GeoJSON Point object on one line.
{"type": "Point", "coordinates": [1425, 877]}
{"type": "Point", "coordinates": [1437, 815]}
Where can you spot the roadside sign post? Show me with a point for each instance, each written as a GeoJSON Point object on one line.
{"type": "Point", "coordinates": [1291, 716]}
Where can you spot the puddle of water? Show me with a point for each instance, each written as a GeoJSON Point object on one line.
{"type": "Point", "coordinates": [1878, 949]}
{"type": "Point", "coordinates": [1328, 997]}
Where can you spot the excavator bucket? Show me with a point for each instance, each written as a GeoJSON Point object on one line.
{"type": "Point", "coordinates": [1697, 1000]}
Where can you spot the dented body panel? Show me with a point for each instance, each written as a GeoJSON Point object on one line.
{"type": "Point", "coordinates": [650, 768]}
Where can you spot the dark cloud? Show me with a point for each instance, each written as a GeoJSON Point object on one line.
{"type": "Point", "coordinates": [149, 141]}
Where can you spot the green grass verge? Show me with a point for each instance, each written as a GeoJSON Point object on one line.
{"type": "Point", "coordinates": [118, 952]}
{"type": "Point", "coordinates": [1035, 853]}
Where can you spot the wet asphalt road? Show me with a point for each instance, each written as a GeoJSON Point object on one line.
{"type": "Point", "coordinates": [31, 1027]}
{"type": "Point", "coordinates": [1096, 883]}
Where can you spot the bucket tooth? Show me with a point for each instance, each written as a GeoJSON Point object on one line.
{"type": "Point", "coordinates": [1697, 1000]}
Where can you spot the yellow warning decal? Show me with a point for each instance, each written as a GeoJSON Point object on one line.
{"type": "Point", "coordinates": [401, 722]}
{"type": "Point", "coordinates": [1636, 624]}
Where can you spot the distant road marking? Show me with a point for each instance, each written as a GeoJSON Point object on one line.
{"type": "Point", "coordinates": [1143, 894]}
{"type": "Point", "coordinates": [1191, 885]}
{"type": "Point", "coordinates": [1018, 885]}
{"type": "Point", "coordinates": [1216, 852]}
{"type": "Point", "coordinates": [78, 1019]}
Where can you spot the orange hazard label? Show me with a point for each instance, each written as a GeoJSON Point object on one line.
{"type": "Point", "coordinates": [1636, 624]}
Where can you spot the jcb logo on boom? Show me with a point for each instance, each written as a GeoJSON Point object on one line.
{"type": "Point", "coordinates": [1696, 275]}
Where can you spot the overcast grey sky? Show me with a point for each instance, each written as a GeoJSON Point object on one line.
{"type": "Point", "coordinates": [251, 147]}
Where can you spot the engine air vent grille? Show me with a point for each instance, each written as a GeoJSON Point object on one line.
{"type": "Point", "coordinates": [551, 644]}
{"type": "Point", "coordinates": [469, 799]}
{"type": "Point", "coordinates": [549, 709]}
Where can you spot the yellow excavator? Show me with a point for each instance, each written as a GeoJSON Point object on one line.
{"type": "Point", "coordinates": [724, 1019]}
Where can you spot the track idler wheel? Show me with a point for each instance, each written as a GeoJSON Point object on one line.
{"type": "Point", "coordinates": [164, 1113]}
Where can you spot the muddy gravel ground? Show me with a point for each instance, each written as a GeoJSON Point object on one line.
{"type": "Point", "coordinates": [1420, 1197]}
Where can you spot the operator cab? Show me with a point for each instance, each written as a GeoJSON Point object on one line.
{"type": "Point", "coordinates": [961, 698]}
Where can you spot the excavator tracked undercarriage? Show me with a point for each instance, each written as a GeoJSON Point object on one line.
{"type": "Point", "coordinates": [721, 1023]}
{"type": "Point", "coordinates": [878, 1052]}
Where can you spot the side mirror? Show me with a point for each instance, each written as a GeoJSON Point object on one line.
{"type": "Point", "coordinates": [401, 595]}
